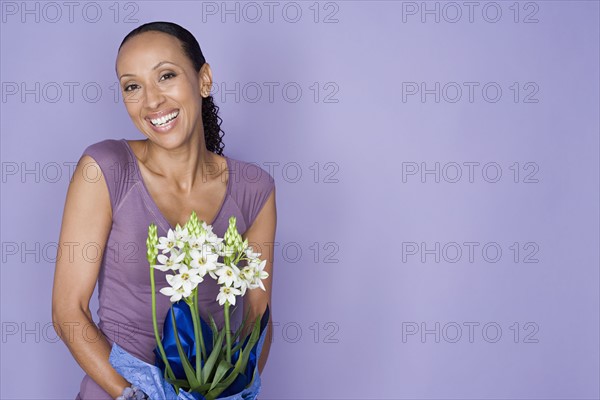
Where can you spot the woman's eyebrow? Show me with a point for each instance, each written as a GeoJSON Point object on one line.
{"type": "Point", "coordinates": [153, 68]}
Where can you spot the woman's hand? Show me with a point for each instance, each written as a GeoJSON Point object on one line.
{"type": "Point", "coordinates": [86, 223]}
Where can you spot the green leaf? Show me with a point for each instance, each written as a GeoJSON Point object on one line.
{"type": "Point", "coordinates": [223, 367]}
{"type": "Point", "coordinates": [239, 345]}
{"type": "Point", "coordinates": [239, 330]}
{"type": "Point", "coordinates": [182, 383]}
{"type": "Point", "coordinates": [240, 365]}
{"type": "Point", "coordinates": [201, 388]}
{"type": "Point", "coordinates": [254, 336]}
{"type": "Point", "coordinates": [214, 328]}
{"type": "Point", "coordinates": [212, 359]}
{"type": "Point", "coordinates": [218, 389]}
{"type": "Point", "coordinates": [187, 366]}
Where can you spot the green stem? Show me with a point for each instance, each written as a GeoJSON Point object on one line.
{"type": "Point", "coordinates": [200, 349]}
{"type": "Point", "coordinates": [227, 332]}
{"type": "Point", "coordinates": [241, 256]}
{"type": "Point", "coordinates": [155, 325]}
{"type": "Point", "coordinates": [197, 314]}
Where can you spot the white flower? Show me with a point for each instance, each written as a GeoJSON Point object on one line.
{"type": "Point", "coordinates": [213, 239]}
{"type": "Point", "coordinates": [188, 278]}
{"type": "Point", "coordinates": [181, 236]}
{"type": "Point", "coordinates": [204, 261]}
{"type": "Point", "coordinates": [208, 228]}
{"type": "Point", "coordinates": [166, 244]}
{"type": "Point", "coordinates": [228, 275]}
{"type": "Point", "coordinates": [251, 254]}
{"type": "Point", "coordinates": [176, 294]}
{"type": "Point", "coordinates": [227, 293]}
{"type": "Point", "coordinates": [246, 278]}
{"type": "Point", "coordinates": [170, 263]}
{"type": "Point", "coordinates": [258, 274]}
{"type": "Point", "coordinates": [197, 242]}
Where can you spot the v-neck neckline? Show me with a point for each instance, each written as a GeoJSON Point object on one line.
{"type": "Point", "coordinates": [153, 204]}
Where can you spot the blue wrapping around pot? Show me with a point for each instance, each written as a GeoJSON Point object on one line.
{"type": "Point", "coordinates": [150, 378]}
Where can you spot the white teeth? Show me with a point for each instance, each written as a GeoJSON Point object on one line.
{"type": "Point", "coordinates": [163, 120]}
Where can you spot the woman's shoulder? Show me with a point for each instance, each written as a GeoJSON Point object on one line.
{"type": "Point", "coordinates": [249, 176]}
{"type": "Point", "coordinates": [251, 185]}
{"type": "Point", "coordinates": [114, 149]}
{"type": "Point", "coordinates": [116, 165]}
{"type": "Point", "coordinates": [113, 156]}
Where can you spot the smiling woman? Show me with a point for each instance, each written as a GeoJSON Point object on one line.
{"type": "Point", "coordinates": [177, 169]}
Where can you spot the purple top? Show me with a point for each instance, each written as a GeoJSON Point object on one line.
{"type": "Point", "coordinates": [124, 294]}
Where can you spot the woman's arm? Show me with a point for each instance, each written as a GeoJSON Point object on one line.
{"type": "Point", "coordinates": [261, 236]}
{"type": "Point", "coordinates": [87, 220]}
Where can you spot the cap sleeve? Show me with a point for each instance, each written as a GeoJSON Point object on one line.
{"type": "Point", "coordinates": [256, 185]}
{"type": "Point", "coordinates": [112, 157]}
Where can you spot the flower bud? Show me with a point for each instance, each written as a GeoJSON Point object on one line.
{"type": "Point", "coordinates": [151, 243]}
{"type": "Point", "coordinates": [230, 234]}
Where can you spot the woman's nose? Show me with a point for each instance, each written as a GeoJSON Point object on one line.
{"type": "Point", "coordinates": [154, 97]}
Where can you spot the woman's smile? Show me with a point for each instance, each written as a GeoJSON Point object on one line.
{"type": "Point", "coordinates": [163, 121]}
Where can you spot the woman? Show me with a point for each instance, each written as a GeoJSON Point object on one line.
{"type": "Point", "coordinates": [121, 186]}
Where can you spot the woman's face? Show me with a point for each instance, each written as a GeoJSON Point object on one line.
{"type": "Point", "coordinates": [161, 90]}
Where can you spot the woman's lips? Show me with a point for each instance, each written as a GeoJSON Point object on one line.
{"type": "Point", "coordinates": [165, 127]}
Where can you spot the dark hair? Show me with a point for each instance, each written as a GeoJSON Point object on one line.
{"type": "Point", "coordinates": [210, 117]}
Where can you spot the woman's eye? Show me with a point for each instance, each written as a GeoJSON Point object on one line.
{"type": "Point", "coordinates": [168, 75]}
{"type": "Point", "coordinates": [131, 87]}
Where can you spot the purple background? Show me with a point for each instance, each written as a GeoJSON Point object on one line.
{"type": "Point", "coordinates": [341, 324]}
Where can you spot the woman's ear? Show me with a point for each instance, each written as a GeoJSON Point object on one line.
{"type": "Point", "coordinates": [205, 80]}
